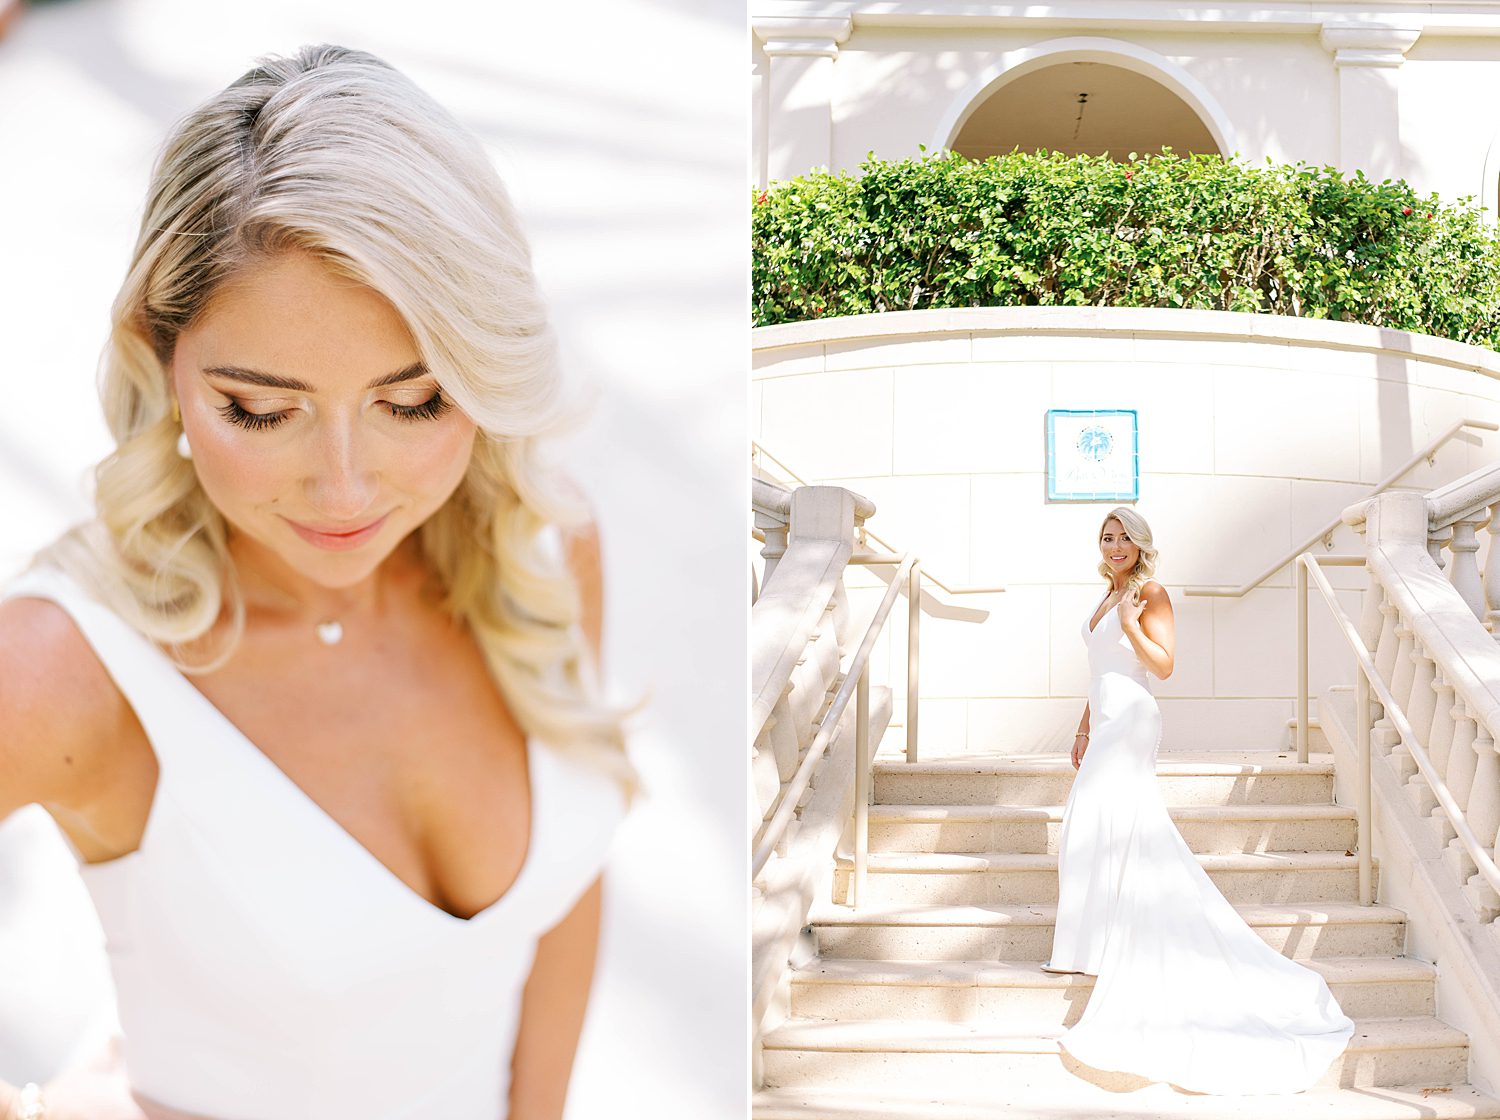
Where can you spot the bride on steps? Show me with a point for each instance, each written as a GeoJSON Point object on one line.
{"type": "Point", "coordinates": [1186, 992]}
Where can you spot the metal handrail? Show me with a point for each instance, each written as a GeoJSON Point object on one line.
{"type": "Point", "coordinates": [866, 535]}
{"type": "Point", "coordinates": [856, 678]}
{"type": "Point", "coordinates": [931, 605]}
{"type": "Point", "coordinates": [1367, 679]}
{"type": "Point", "coordinates": [1382, 485]}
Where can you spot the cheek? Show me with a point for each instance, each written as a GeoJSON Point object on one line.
{"type": "Point", "coordinates": [433, 466]}
{"type": "Point", "coordinates": [235, 473]}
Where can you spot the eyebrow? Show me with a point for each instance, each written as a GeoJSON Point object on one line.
{"type": "Point", "coordinates": [274, 381]}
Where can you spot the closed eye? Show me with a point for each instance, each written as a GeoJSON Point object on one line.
{"type": "Point", "coordinates": [254, 421]}
{"type": "Point", "coordinates": [430, 409]}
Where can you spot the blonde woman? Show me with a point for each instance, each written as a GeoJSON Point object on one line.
{"type": "Point", "coordinates": [1184, 991]}
{"type": "Point", "coordinates": [312, 697]}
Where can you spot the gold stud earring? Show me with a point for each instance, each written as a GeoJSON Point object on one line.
{"type": "Point", "coordinates": [176, 413]}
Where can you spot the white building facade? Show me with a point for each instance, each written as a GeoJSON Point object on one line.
{"type": "Point", "coordinates": [1408, 91]}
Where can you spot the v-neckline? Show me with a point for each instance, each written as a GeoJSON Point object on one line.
{"type": "Point", "coordinates": [1092, 624]}
{"type": "Point", "coordinates": [422, 900]}
{"type": "Point", "coordinates": [534, 752]}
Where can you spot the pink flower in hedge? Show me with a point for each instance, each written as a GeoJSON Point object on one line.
{"type": "Point", "coordinates": [1129, 174]}
{"type": "Point", "coordinates": [760, 199]}
{"type": "Point", "coordinates": [1405, 210]}
{"type": "Point", "coordinates": [1429, 215]}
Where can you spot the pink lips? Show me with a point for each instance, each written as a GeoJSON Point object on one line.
{"type": "Point", "coordinates": [335, 541]}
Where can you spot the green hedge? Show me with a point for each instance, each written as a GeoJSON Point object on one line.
{"type": "Point", "coordinates": [1158, 231]}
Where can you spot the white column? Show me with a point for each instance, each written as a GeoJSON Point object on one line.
{"type": "Point", "coordinates": [799, 90]}
{"type": "Point", "coordinates": [1368, 57]}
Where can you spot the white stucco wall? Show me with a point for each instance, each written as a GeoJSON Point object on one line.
{"type": "Point", "coordinates": [1254, 432]}
{"type": "Point", "coordinates": [899, 88]}
{"type": "Point", "coordinates": [1276, 81]}
{"type": "Point", "coordinates": [1450, 117]}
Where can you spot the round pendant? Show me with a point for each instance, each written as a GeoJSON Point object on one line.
{"type": "Point", "coordinates": [330, 633]}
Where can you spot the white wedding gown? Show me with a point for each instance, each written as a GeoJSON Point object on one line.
{"type": "Point", "coordinates": [1186, 992]}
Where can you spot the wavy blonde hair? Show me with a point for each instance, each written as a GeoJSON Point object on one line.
{"type": "Point", "coordinates": [333, 152]}
{"type": "Point", "coordinates": [1140, 534]}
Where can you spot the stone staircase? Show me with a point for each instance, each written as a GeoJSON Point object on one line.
{"type": "Point", "coordinates": [928, 1001]}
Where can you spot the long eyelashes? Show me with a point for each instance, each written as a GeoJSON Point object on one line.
{"type": "Point", "coordinates": [430, 409]}
{"type": "Point", "coordinates": [254, 421]}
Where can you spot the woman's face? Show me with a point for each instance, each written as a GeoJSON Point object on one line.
{"type": "Point", "coordinates": [1119, 551]}
{"type": "Point", "coordinates": [314, 427]}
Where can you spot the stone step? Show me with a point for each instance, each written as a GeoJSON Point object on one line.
{"type": "Point", "coordinates": [1035, 828]}
{"type": "Point", "coordinates": [975, 878]}
{"type": "Point", "coordinates": [1024, 932]}
{"type": "Point", "coordinates": [1155, 1102]}
{"type": "Point", "coordinates": [975, 1058]}
{"type": "Point", "coordinates": [1230, 778]}
{"type": "Point", "coordinates": [1019, 992]}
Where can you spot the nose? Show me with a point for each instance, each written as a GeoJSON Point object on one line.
{"type": "Point", "coordinates": [342, 480]}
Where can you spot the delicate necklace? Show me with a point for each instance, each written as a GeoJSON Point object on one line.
{"type": "Point", "coordinates": [330, 631]}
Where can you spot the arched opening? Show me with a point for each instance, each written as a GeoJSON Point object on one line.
{"type": "Point", "coordinates": [1082, 106]}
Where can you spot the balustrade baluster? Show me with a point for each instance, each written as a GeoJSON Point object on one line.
{"type": "Point", "coordinates": [1459, 775]}
{"type": "Point", "coordinates": [774, 546]}
{"type": "Point", "coordinates": [1382, 733]}
{"type": "Point", "coordinates": [1436, 541]}
{"type": "Point", "coordinates": [1484, 793]}
{"type": "Point", "coordinates": [1486, 825]}
{"type": "Point", "coordinates": [1370, 619]}
{"type": "Point", "coordinates": [1385, 645]}
{"type": "Point", "coordinates": [1439, 739]}
{"type": "Point", "coordinates": [1465, 573]}
{"type": "Point", "coordinates": [1419, 707]}
{"type": "Point", "coordinates": [1385, 737]}
{"type": "Point", "coordinates": [1492, 573]}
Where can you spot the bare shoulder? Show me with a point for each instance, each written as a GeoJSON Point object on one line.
{"type": "Point", "coordinates": [59, 709]}
{"type": "Point", "coordinates": [1155, 595]}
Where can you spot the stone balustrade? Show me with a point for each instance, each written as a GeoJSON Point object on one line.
{"type": "Point", "coordinates": [1429, 624]}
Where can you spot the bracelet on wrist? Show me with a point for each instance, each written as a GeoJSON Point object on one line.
{"type": "Point", "coordinates": [1081, 735]}
{"type": "Point", "coordinates": [29, 1104]}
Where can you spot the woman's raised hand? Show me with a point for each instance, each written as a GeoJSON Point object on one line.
{"type": "Point", "coordinates": [1130, 609]}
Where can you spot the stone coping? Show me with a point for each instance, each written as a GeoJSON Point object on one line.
{"type": "Point", "coordinates": [1150, 322]}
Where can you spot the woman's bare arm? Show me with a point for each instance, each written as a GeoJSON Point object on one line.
{"type": "Point", "coordinates": [1151, 628]}
{"type": "Point", "coordinates": [557, 991]}
{"type": "Point", "coordinates": [1081, 740]}
{"type": "Point", "coordinates": [59, 711]}
{"type": "Point", "coordinates": [552, 1010]}
{"type": "Point", "coordinates": [50, 690]}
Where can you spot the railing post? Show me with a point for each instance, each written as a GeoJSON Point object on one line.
{"type": "Point", "coordinates": [861, 785]}
{"type": "Point", "coordinates": [913, 643]}
{"type": "Point", "coordinates": [1301, 569]}
{"type": "Point", "coordinates": [1362, 752]}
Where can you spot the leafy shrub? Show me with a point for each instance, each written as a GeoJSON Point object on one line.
{"type": "Point", "coordinates": [1159, 231]}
